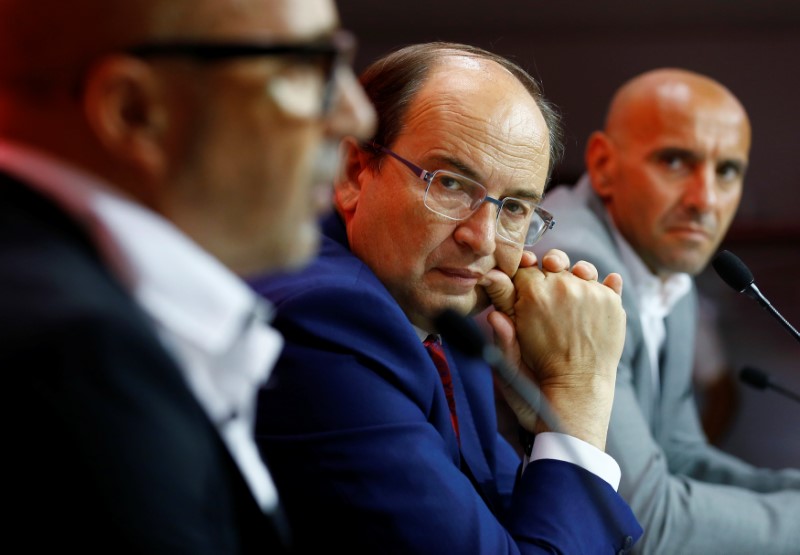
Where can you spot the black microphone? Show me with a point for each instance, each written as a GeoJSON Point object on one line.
{"type": "Point", "coordinates": [463, 334]}
{"type": "Point", "coordinates": [734, 272]}
{"type": "Point", "coordinates": [761, 380]}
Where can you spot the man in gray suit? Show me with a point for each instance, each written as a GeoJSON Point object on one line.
{"type": "Point", "coordinates": [663, 183]}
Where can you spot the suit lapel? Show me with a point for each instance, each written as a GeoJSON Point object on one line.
{"type": "Point", "coordinates": [472, 382]}
{"type": "Point", "coordinates": [678, 355]}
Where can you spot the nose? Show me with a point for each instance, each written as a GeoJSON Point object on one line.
{"type": "Point", "coordinates": [352, 113]}
{"type": "Point", "coordinates": [701, 192]}
{"type": "Point", "coordinates": [478, 232]}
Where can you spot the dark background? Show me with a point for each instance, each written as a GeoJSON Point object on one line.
{"type": "Point", "coordinates": [582, 50]}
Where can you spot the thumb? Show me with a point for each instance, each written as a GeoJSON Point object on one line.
{"type": "Point", "coordinates": [505, 334]}
{"type": "Point", "coordinates": [501, 291]}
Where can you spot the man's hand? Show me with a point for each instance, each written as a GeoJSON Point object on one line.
{"type": "Point", "coordinates": [566, 331]}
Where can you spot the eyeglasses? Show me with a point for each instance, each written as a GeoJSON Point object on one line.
{"type": "Point", "coordinates": [327, 54]}
{"type": "Point", "coordinates": [448, 194]}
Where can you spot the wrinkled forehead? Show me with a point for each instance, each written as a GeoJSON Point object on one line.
{"type": "Point", "coordinates": [679, 115]}
{"type": "Point", "coordinates": [694, 122]}
{"type": "Point", "coordinates": [478, 111]}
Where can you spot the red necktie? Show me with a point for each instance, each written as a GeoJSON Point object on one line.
{"type": "Point", "coordinates": [434, 348]}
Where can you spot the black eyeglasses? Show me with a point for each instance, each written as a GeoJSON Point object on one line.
{"type": "Point", "coordinates": [456, 197]}
{"type": "Point", "coordinates": [329, 54]}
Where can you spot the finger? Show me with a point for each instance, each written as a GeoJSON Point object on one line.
{"type": "Point", "coordinates": [555, 261]}
{"type": "Point", "coordinates": [525, 278]}
{"type": "Point", "coordinates": [585, 270]}
{"type": "Point", "coordinates": [500, 289]}
{"type": "Point", "coordinates": [528, 259]}
{"type": "Point", "coordinates": [614, 281]}
{"type": "Point", "coordinates": [504, 332]}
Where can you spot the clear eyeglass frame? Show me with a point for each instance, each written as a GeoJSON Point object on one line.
{"type": "Point", "coordinates": [300, 92]}
{"type": "Point", "coordinates": [457, 197]}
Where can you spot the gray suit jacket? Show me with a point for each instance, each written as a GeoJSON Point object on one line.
{"type": "Point", "coordinates": [690, 497]}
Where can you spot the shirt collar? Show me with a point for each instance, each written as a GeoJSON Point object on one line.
{"type": "Point", "coordinates": [422, 334]}
{"type": "Point", "coordinates": [177, 282]}
{"type": "Point", "coordinates": [655, 295]}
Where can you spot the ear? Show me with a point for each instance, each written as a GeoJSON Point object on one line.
{"type": "Point", "coordinates": [600, 163]}
{"type": "Point", "coordinates": [347, 188]}
{"type": "Point", "coordinates": [123, 104]}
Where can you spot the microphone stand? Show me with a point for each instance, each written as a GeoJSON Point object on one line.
{"type": "Point", "coordinates": [738, 276]}
{"type": "Point", "coordinates": [754, 293]}
{"type": "Point", "coordinates": [761, 380]}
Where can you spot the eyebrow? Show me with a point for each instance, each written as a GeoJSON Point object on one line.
{"type": "Point", "coordinates": [467, 171]}
{"type": "Point", "coordinates": [685, 153]}
{"type": "Point", "coordinates": [740, 164]}
{"type": "Point", "coordinates": [689, 154]}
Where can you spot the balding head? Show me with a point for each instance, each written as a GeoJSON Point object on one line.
{"type": "Point", "coordinates": [393, 81]}
{"type": "Point", "coordinates": [46, 38]}
{"type": "Point", "coordinates": [476, 124]}
{"type": "Point", "coordinates": [641, 102]}
{"type": "Point", "coordinates": [223, 144]}
{"type": "Point", "coordinates": [669, 166]}
{"type": "Point", "coordinates": [37, 38]}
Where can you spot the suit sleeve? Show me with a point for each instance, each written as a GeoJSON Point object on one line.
{"type": "Point", "coordinates": [682, 513]}
{"type": "Point", "coordinates": [350, 428]}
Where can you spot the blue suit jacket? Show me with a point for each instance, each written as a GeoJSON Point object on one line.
{"type": "Point", "coordinates": [356, 430]}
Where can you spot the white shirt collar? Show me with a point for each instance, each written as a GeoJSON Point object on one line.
{"type": "Point", "coordinates": [422, 334]}
{"type": "Point", "coordinates": [655, 295]}
{"type": "Point", "coordinates": [211, 322]}
{"type": "Point", "coordinates": [656, 299]}
{"type": "Point", "coordinates": [202, 301]}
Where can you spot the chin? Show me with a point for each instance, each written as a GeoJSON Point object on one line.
{"type": "Point", "coordinates": [467, 305]}
{"type": "Point", "coordinates": [288, 255]}
{"type": "Point", "coordinates": [300, 252]}
{"type": "Point", "coordinates": [691, 265]}
{"type": "Point", "coordinates": [297, 260]}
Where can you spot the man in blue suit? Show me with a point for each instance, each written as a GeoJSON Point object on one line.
{"type": "Point", "coordinates": [381, 438]}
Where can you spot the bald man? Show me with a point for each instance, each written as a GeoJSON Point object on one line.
{"type": "Point", "coordinates": [663, 183]}
{"type": "Point", "coordinates": [149, 152]}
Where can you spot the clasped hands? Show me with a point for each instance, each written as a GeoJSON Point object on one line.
{"type": "Point", "coordinates": [565, 330]}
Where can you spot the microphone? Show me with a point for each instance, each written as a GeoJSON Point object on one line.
{"type": "Point", "coordinates": [463, 334]}
{"type": "Point", "coordinates": [761, 380]}
{"type": "Point", "coordinates": [734, 272]}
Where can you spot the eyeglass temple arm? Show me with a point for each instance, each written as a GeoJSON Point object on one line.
{"type": "Point", "coordinates": [422, 174]}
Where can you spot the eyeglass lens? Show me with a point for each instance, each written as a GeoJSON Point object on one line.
{"type": "Point", "coordinates": [305, 87]}
{"type": "Point", "coordinates": [457, 197]}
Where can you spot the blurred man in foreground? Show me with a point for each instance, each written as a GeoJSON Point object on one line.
{"type": "Point", "coordinates": [148, 150]}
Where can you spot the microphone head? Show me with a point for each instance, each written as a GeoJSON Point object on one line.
{"type": "Point", "coordinates": [460, 332]}
{"type": "Point", "coordinates": [732, 270]}
{"type": "Point", "coordinates": [754, 377]}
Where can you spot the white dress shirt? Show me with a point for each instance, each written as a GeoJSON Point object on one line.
{"type": "Point", "coordinates": [656, 298]}
{"type": "Point", "coordinates": [206, 317]}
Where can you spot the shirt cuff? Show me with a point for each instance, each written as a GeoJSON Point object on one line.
{"type": "Point", "coordinates": [562, 447]}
